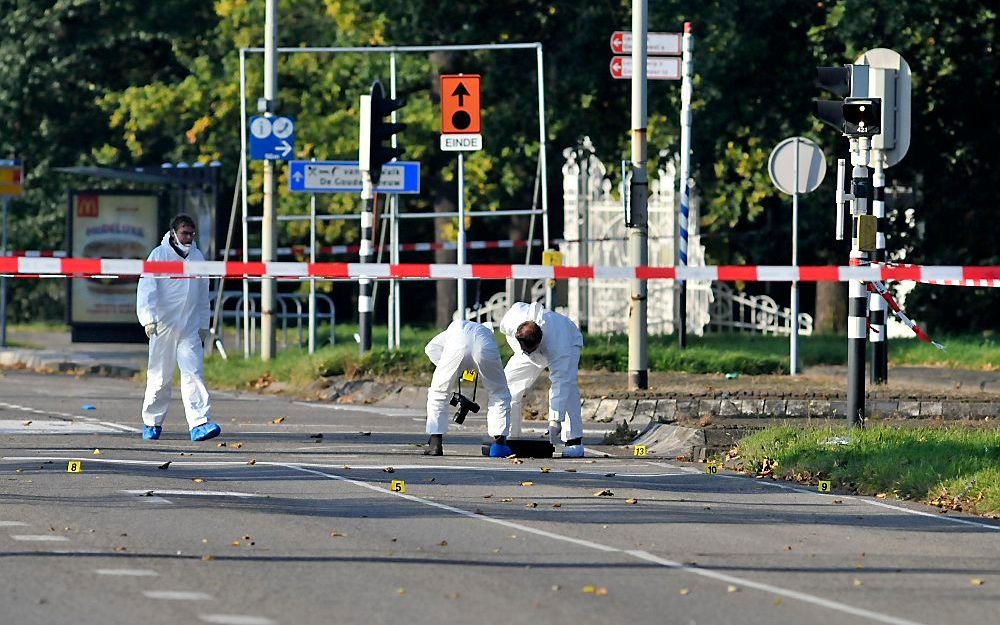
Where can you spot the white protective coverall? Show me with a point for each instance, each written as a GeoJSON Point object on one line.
{"type": "Point", "coordinates": [559, 351]}
{"type": "Point", "coordinates": [179, 307]}
{"type": "Point", "coordinates": [466, 345]}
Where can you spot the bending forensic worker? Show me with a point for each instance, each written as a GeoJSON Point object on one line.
{"type": "Point", "coordinates": [544, 339]}
{"type": "Point", "coordinates": [175, 314]}
{"type": "Point", "coordinates": [467, 345]}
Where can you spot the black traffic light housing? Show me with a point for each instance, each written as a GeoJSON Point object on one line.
{"type": "Point", "coordinates": [375, 130]}
{"type": "Point", "coordinates": [855, 117]}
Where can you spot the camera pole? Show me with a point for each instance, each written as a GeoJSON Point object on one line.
{"type": "Point", "coordinates": [857, 304]}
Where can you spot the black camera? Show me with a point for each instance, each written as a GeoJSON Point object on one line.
{"type": "Point", "coordinates": [465, 406]}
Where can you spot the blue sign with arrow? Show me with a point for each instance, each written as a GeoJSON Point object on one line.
{"type": "Point", "coordinates": [272, 138]}
{"type": "Point", "coordinates": [345, 177]}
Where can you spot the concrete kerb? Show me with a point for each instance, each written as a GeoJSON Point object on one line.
{"type": "Point", "coordinates": [47, 361]}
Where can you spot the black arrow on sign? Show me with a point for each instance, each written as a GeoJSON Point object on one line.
{"type": "Point", "coordinates": [461, 92]}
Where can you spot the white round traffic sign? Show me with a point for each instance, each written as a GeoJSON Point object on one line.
{"type": "Point", "coordinates": [260, 127]}
{"type": "Point", "coordinates": [796, 154]}
{"type": "Point", "coordinates": [282, 127]}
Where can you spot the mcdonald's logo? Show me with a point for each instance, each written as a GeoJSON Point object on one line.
{"type": "Point", "coordinates": [87, 206]}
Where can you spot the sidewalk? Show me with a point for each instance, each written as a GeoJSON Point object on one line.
{"type": "Point", "coordinates": [55, 352]}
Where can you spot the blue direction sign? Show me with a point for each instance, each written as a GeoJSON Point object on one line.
{"type": "Point", "coordinates": [272, 138]}
{"type": "Point", "coordinates": [345, 177]}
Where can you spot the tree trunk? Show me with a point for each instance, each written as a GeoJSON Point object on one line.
{"type": "Point", "coordinates": [445, 199]}
{"type": "Point", "coordinates": [831, 308]}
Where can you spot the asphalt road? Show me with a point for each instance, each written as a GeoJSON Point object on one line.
{"type": "Point", "coordinates": [281, 527]}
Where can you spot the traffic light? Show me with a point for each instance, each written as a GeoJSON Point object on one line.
{"type": "Point", "coordinates": [855, 116]}
{"type": "Point", "coordinates": [375, 129]}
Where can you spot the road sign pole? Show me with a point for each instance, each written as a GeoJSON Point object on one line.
{"type": "Point", "coordinates": [364, 284]}
{"type": "Point", "coordinates": [268, 342]}
{"type": "Point", "coordinates": [461, 232]}
{"type": "Point", "coordinates": [638, 374]}
{"type": "Point", "coordinates": [793, 357]}
{"type": "Point", "coordinates": [393, 203]}
{"type": "Point", "coordinates": [685, 174]}
{"type": "Point", "coordinates": [3, 281]}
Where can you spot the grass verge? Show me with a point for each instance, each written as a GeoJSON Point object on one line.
{"type": "Point", "coordinates": [949, 467]}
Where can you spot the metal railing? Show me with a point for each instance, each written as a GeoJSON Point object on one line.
{"type": "Point", "coordinates": [739, 312]}
{"type": "Point", "coordinates": [298, 321]}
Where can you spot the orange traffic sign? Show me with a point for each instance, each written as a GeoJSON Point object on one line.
{"type": "Point", "coordinates": [11, 175]}
{"type": "Point", "coordinates": [460, 104]}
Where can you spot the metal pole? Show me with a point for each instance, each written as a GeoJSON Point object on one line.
{"type": "Point", "coordinates": [364, 284]}
{"type": "Point", "coordinates": [3, 281]}
{"type": "Point", "coordinates": [879, 332]}
{"type": "Point", "coordinates": [542, 142]}
{"type": "Point", "coordinates": [243, 203]}
{"type": "Point", "coordinates": [461, 232]}
{"type": "Point", "coordinates": [687, 46]}
{"type": "Point", "coordinates": [583, 234]}
{"type": "Point", "coordinates": [218, 330]}
{"type": "Point", "coordinates": [392, 313]}
{"type": "Point", "coordinates": [312, 282]}
{"type": "Point", "coordinates": [270, 224]}
{"type": "Point", "coordinates": [857, 303]}
{"type": "Point", "coordinates": [638, 375]}
{"type": "Point", "coordinates": [794, 326]}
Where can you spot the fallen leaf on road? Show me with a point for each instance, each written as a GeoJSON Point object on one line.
{"type": "Point", "coordinates": [589, 589]}
{"type": "Point", "coordinates": [601, 591]}
{"type": "Point", "coordinates": [516, 461]}
{"type": "Point", "coordinates": [479, 511]}
{"type": "Point", "coordinates": [507, 499]}
{"type": "Point", "coordinates": [121, 548]}
{"type": "Point", "coordinates": [604, 493]}
{"type": "Point", "coordinates": [975, 581]}
{"type": "Point", "coordinates": [148, 493]}
{"type": "Point", "coordinates": [880, 496]}
{"type": "Point", "coordinates": [731, 588]}
{"type": "Point", "coordinates": [197, 480]}
{"type": "Point", "coordinates": [400, 591]}
{"type": "Point", "coordinates": [97, 452]}
{"type": "Point", "coordinates": [251, 461]}
{"type": "Point", "coordinates": [278, 420]}
{"type": "Point", "coordinates": [164, 466]}
{"type": "Point", "coordinates": [443, 543]}
{"type": "Point", "coordinates": [335, 534]}
{"type": "Point", "coordinates": [27, 422]}
{"type": "Point", "coordinates": [683, 591]}
{"type": "Point", "coordinates": [609, 475]}
{"type": "Point", "coordinates": [527, 483]}
{"type": "Point", "coordinates": [532, 505]}
{"type": "Point", "coordinates": [632, 501]}
{"type": "Point", "coordinates": [389, 470]}
{"type": "Point", "coordinates": [452, 595]}
{"type": "Point", "coordinates": [237, 445]}
{"type": "Point", "coordinates": [555, 587]}
{"type": "Point", "coordinates": [487, 496]}
{"type": "Point", "coordinates": [235, 543]}
{"type": "Point", "coordinates": [545, 469]}
{"type": "Point", "coordinates": [432, 479]}
{"type": "Point", "coordinates": [838, 501]}
{"type": "Point", "coordinates": [220, 444]}
{"type": "Point", "coordinates": [856, 582]}
{"type": "Point", "coordinates": [777, 601]}
{"type": "Point", "coordinates": [570, 470]}
{"type": "Point", "coordinates": [315, 436]}
{"type": "Point", "coordinates": [557, 505]}
{"type": "Point", "coordinates": [207, 558]}
{"type": "Point", "coordinates": [591, 461]}
{"type": "Point", "coordinates": [365, 433]}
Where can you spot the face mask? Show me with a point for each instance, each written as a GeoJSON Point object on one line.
{"type": "Point", "coordinates": [184, 247]}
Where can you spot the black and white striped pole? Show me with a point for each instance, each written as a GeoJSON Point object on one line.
{"type": "Point", "coordinates": [878, 332]}
{"type": "Point", "coordinates": [862, 241]}
{"type": "Point", "coordinates": [365, 253]}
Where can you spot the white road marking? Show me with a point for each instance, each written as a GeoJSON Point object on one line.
{"type": "Point", "coordinates": [127, 572]}
{"type": "Point", "coordinates": [75, 417]}
{"type": "Point", "coordinates": [379, 410]}
{"type": "Point", "coordinates": [13, 524]}
{"type": "Point", "coordinates": [177, 595]}
{"type": "Point", "coordinates": [52, 538]}
{"type": "Point", "coordinates": [47, 426]}
{"type": "Point", "coordinates": [235, 619]}
{"type": "Point", "coordinates": [641, 555]}
{"type": "Point", "coordinates": [181, 492]}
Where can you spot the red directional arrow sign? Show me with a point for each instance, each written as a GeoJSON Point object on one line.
{"type": "Point", "coordinates": [657, 68]}
{"type": "Point", "coordinates": [662, 44]}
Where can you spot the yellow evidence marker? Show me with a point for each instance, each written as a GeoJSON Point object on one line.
{"type": "Point", "coordinates": [74, 466]}
{"type": "Point", "coordinates": [823, 486]}
{"type": "Point", "coordinates": [711, 469]}
{"type": "Point", "coordinates": [639, 451]}
{"type": "Point", "coordinates": [397, 486]}
{"type": "Point", "coordinates": [469, 375]}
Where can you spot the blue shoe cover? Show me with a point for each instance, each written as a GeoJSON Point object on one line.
{"type": "Point", "coordinates": [151, 432]}
{"type": "Point", "coordinates": [205, 431]}
{"type": "Point", "coordinates": [500, 451]}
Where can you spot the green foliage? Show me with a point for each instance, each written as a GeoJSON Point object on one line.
{"type": "Point", "coordinates": [952, 467]}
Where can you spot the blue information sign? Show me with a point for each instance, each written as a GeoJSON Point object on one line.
{"type": "Point", "coordinates": [345, 177]}
{"type": "Point", "coordinates": [272, 138]}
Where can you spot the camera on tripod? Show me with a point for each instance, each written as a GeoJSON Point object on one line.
{"type": "Point", "coordinates": [465, 406]}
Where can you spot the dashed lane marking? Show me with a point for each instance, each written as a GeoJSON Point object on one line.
{"type": "Point", "coordinates": [379, 410]}
{"type": "Point", "coordinates": [234, 619]}
{"type": "Point", "coordinates": [51, 538]}
{"type": "Point", "coordinates": [193, 493]}
{"type": "Point", "coordinates": [127, 572]}
{"type": "Point", "coordinates": [13, 524]}
{"type": "Point", "coordinates": [49, 426]}
{"type": "Point", "coordinates": [641, 555]}
{"type": "Point", "coordinates": [177, 595]}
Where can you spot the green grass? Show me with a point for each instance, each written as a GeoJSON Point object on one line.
{"type": "Point", "coordinates": [952, 467]}
{"type": "Point", "coordinates": [961, 352]}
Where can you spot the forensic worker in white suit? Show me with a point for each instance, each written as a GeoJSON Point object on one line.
{"type": "Point", "coordinates": [544, 339]}
{"type": "Point", "coordinates": [467, 345]}
{"type": "Point", "coordinates": [175, 314]}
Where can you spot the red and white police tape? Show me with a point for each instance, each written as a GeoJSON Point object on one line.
{"type": "Point", "coordinates": [103, 267]}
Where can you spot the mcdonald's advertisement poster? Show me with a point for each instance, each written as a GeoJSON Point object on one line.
{"type": "Point", "coordinates": [110, 226]}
